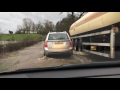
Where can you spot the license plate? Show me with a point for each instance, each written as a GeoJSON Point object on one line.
{"type": "Point", "coordinates": [58, 42]}
{"type": "Point", "coordinates": [93, 48]}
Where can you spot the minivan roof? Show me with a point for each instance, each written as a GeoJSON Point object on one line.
{"type": "Point", "coordinates": [57, 32]}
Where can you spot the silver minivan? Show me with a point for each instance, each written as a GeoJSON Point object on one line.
{"type": "Point", "coordinates": [58, 43]}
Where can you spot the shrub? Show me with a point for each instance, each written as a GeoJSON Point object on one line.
{"type": "Point", "coordinates": [16, 46]}
{"type": "Point", "coordinates": [1, 49]}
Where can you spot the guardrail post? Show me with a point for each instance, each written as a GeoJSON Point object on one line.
{"type": "Point", "coordinates": [81, 44]}
{"type": "Point", "coordinates": [112, 44]}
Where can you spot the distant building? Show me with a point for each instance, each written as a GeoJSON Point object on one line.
{"type": "Point", "coordinates": [31, 32]}
{"type": "Point", "coordinates": [35, 32]}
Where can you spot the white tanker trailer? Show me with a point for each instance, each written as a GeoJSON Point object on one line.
{"type": "Point", "coordinates": [97, 33]}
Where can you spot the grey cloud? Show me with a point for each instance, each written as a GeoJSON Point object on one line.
{"type": "Point", "coordinates": [10, 20]}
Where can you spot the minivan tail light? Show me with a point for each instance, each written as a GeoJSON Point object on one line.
{"type": "Point", "coordinates": [71, 43]}
{"type": "Point", "coordinates": [45, 44]}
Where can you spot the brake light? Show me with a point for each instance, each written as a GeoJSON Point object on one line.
{"type": "Point", "coordinates": [45, 44]}
{"type": "Point", "coordinates": [71, 43]}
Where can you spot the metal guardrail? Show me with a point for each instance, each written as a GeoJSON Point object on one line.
{"type": "Point", "coordinates": [111, 44]}
{"type": "Point", "coordinates": [97, 44]}
{"type": "Point", "coordinates": [97, 53]}
{"type": "Point", "coordinates": [93, 34]}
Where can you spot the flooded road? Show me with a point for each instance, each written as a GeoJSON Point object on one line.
{"type": "Point", "coordinates": [32, 57]}
{"type": "Point", "coordinates": [7, 42]}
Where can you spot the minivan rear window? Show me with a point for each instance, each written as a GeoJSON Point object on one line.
{"type": "Point", "coordinates": [59, 36]}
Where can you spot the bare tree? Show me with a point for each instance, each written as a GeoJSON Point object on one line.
{"type": "Point", "coordinates": [48, 26]}
{"type": "Point", "coordinates": [80, 14]}
{"type": "Point", "coordinates": [73, 15]}
{"type": "Point", "coordinates": [33, 29]}
{"type": "Point", "coordinates": [66, 22]}
{"type": "Point", "coordinates": [19, 30]}
{"type": "Point", "coordinates": [27, 24]}
{"type": "Point", "coordinates": [39, 27]}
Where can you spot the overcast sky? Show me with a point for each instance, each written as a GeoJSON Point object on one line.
{"type": "Point", "coordinates": [10, 20]}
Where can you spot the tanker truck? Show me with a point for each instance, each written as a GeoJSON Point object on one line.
{"type": "Point", "coordinates": [97, 33]}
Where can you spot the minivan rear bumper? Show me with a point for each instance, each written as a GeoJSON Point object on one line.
{"type": "Point", "coordinates": [58, 51]}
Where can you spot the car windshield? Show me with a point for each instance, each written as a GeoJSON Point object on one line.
{"type": "Point", "coordinates": [50, 39]}
{"type": "Point", "coordinates": [58, 36]}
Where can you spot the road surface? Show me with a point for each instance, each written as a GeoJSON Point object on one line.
{"type": "Point", "coordinates": [32, 57]}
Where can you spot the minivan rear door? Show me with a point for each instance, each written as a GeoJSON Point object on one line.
{"type": "Point", "coordinates": [58, 41]}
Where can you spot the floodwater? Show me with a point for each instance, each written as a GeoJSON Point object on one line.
{"type": "Point", "coordinates": [7, 42]}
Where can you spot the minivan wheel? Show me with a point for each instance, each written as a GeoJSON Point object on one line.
{"type": "Point", "coordinates": [44, 54]}
{"type": "Point", "coordinates": [76, 48]}
{"type": "Point", "coordinates": [47, 55]}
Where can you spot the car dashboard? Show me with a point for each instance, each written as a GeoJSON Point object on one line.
{"type": "Point", "coordinates": [99, 70]}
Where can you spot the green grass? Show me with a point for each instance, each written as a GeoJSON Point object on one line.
{"type": "Point", "coordinates": [18, 37]}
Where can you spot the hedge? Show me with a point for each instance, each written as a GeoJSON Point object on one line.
{"type": "Point", "coordinates": [16, 46]}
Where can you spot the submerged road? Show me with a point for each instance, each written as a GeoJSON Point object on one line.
{"type": "Point", "coordinates": [32, 57]}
